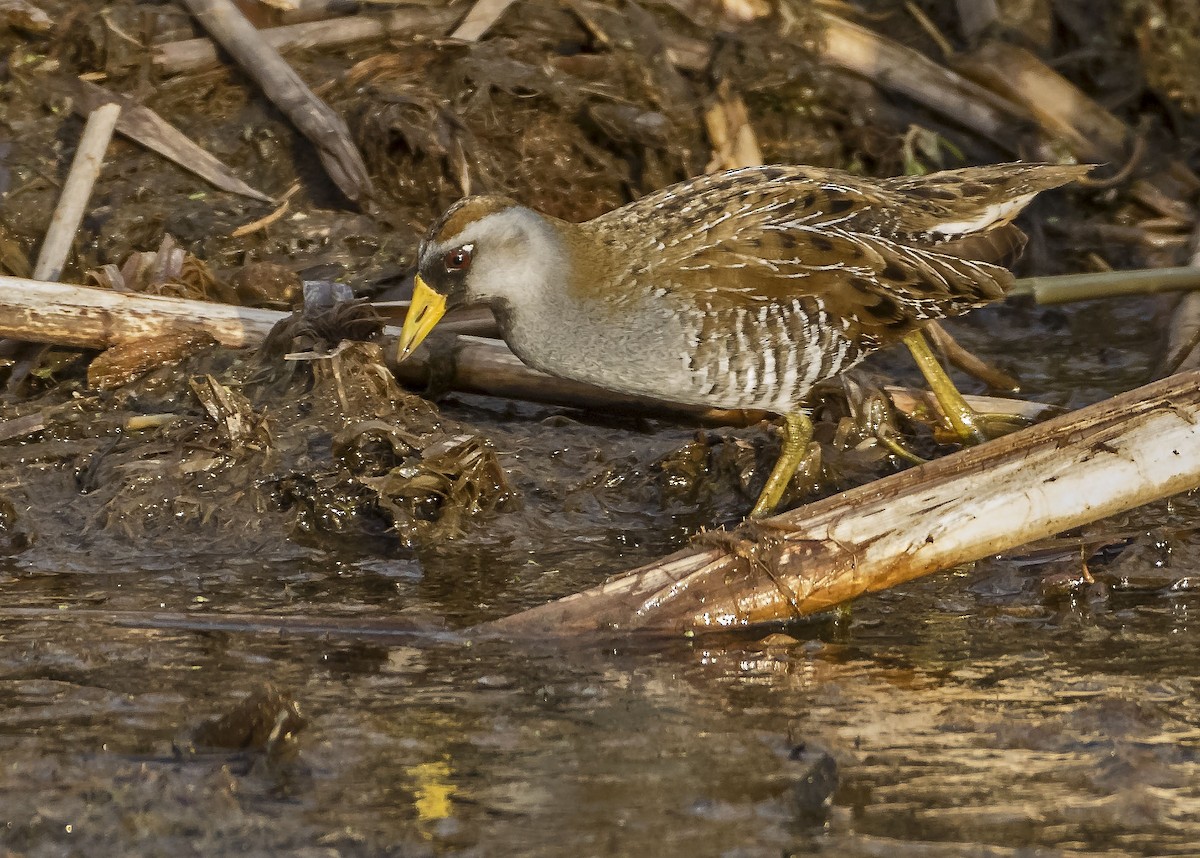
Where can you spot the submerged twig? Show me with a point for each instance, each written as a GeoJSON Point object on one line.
{"type": "Point", "coordinates": [312, 116]}
{"type": "Point", "coordinates": [76, 192]}
{"type": "Point", "coordinates": [1112, 456]}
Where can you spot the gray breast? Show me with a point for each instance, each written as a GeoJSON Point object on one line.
{"type": "Point", "coordinates": [765, 357]}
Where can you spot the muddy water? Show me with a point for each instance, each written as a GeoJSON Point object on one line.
{"type": "Point", "coordinates": [952, 713]}
{"type": "Point", "coordinates": [981, 711]}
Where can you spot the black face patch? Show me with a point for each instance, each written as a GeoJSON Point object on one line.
{"type": "Point", "coordinates": [446, 273]}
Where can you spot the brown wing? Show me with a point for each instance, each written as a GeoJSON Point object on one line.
{"type": "Point", "coordinates": [883, 255]}
{"type": "Point", "coordinates": [868, 280]}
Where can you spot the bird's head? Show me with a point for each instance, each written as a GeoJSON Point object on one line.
{"type": "Point", "coordinates": [485, 249]}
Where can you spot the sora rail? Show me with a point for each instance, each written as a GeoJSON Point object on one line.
{"type": "Point", "coordinates": [740, 289]}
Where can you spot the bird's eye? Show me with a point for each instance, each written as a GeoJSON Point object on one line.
{"type": "Point", "coordinates": [458, 259]}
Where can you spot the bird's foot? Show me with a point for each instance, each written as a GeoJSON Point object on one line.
{"type": "Point", "coordinates": [798, 452]}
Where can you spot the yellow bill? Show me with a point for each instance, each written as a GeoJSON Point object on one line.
{"type": "Point", "coordinates": [425, 311]}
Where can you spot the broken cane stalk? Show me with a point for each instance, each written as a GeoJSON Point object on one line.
{"type": "Point", "coordinates": [1127, 451]}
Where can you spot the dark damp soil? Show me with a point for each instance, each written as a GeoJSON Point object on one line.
{"type": "Point", "coordinates": [155, 531]}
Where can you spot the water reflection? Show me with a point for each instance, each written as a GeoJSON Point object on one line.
{"type": "Point", "coordinates": [905, 725]}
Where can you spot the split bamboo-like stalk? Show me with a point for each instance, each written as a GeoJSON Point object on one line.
{"type": "Point", "coordinates": [1112, 456]}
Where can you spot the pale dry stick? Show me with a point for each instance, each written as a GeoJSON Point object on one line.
{"type": "Point", "coordinates": [483, 15]}
{"type": "Point", "coordinates": [196, 54]}
{"type": "Point", "coordinates": [1107, 458]}
{"type": "Point", "coordinates": [85, 317]}
{"type": "Point", "coordinates": [77, 190]}
{"type": "Point", "coordinates": [152, 131]}
{"type": "Point", "coordinates": [283, 86]}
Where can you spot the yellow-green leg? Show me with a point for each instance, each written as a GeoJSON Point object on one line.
{"type": "Point", "coordinates": [964, 420]}
{"type": "Point", "coordinates": [797, 433]}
